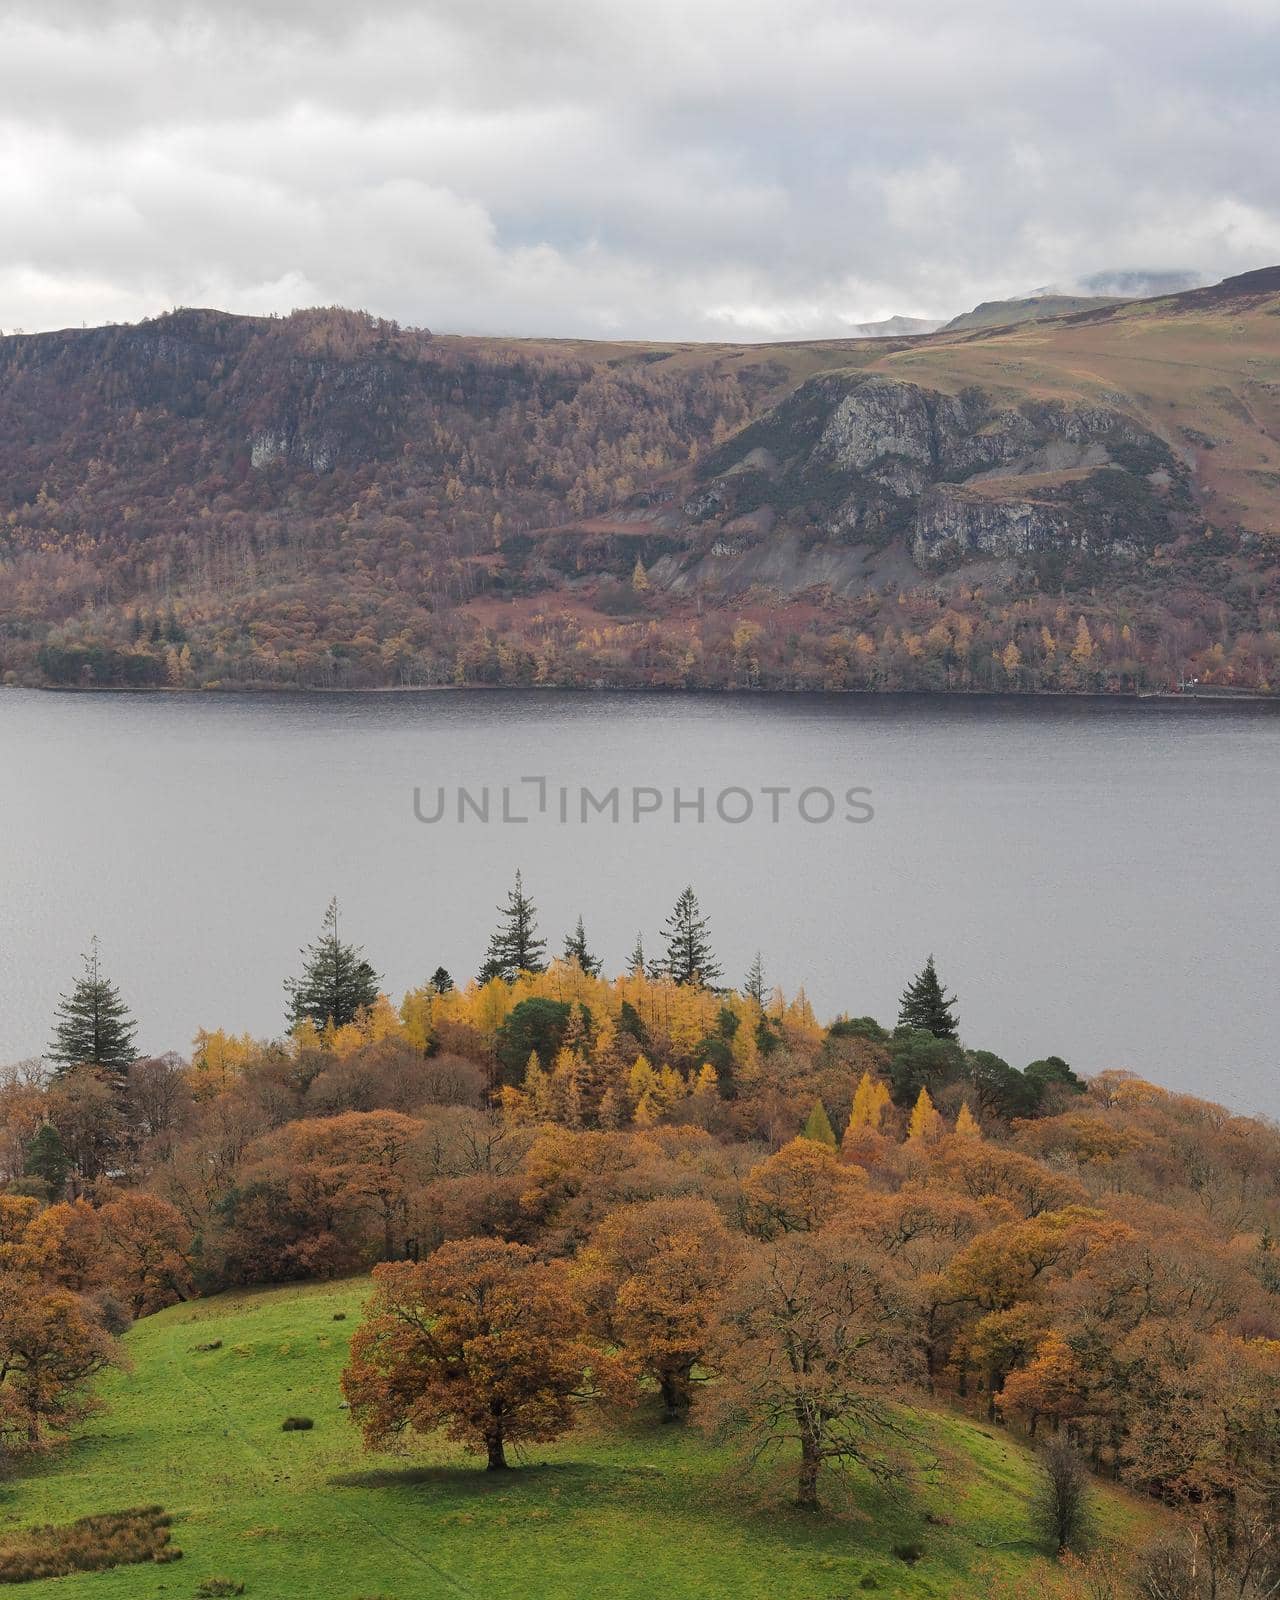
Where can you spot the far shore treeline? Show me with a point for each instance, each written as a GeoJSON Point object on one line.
{"type": "Point", "coordinates": [587, 1195]}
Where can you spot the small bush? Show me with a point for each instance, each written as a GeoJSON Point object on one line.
{"type": "Point", "coordinates": [296, 1424]}
{"type": "Point", "coordinates": [339, 1316]}
{"type": "Point", "coordinates": [213, 1344]}
{"type": "Point", "coordinates": [218, 1586]}
{"type": "Point", "coordinates": [909, 1550]}
{"type": "Point", "coordinates": [1061, 1508]}
{"type": "Point", "coordinates": [93, 1544]}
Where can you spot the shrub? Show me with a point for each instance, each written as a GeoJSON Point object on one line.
{"type": "Point", "coordinates": [1061, 1506]}
{"type": "Point", "coordinates": [218, 1586]}
{"type": "Point", "coordinates": [296, 1424]}
{"type": "Point", "coordinates": [908, 1550]}
{"type": "Point", "coordinates": [339, 1316]}
{"type": "Point", "coordinates": [213, 1344]}
{"type": "Point", "coordinates": [93, 1544]}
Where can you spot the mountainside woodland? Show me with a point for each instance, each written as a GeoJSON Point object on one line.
{"type": "Point", "coordinates": [1089, 502]}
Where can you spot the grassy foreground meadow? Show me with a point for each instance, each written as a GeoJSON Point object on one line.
{"type": "Point", "coordinates": [637, 1511]}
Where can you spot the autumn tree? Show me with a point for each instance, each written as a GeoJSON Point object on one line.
{"type": "Point", "coordinates": [870, 1101]}
{"type": "Point", "coordinates": [64, 1245]}
{"type": "Point", "coordinates": [798, 1189]}
{"type": "Point", "coordinates": [655, 1273]}
{"type": "Point", "coordinates": [148, 1251]}
{"type": "Point", "coordinates": [814, 1349]}
{"type": "Point", "coordinates": [93, 1026]}
{"type": "Point", "coordinates": [926, 1005]}
{"type": "Point", "coordinates": [925, 1123]}
{"type": "Point", "coordinates": [50, 1347]}
{"type": "Point", "coordinates": [966, 1124]}
{"type": "Point", "coordinates": [688, 939]}
{"type": "Point", "coordinates": [515, 946]}
{"type": "Point", "coordinates": [86, 1109]}
{"type": "Point", "coordinates": [337, 983]}
{"type": "Point", "coordinates": [481, 1339]}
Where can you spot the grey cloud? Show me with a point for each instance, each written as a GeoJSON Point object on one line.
{"type": "Point", "coordinates": [692, 168]}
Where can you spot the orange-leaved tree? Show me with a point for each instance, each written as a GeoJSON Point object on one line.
{"type": "Point", "coordinates": [798, 1188]}
{"type": "Point", "coordinates": [816, 1343]}
{"type": "Point", "coordinates": [50, 1347]}
{"type": "Point", "coordinates": [482, 1340]}
{"type": "Point", "coordinates": [655, 1273]}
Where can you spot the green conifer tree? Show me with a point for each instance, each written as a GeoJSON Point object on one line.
{"type": "Point", "coordinates": [93, 1026]}
{"type": "Point", "coordinates": [689, 958]}
{"type": "Point", "coordinates": [47, 1159]}
{"type": "Point", "coordinates": [753, 985]}
{"type": "Point", "coordinates": [818, 1126]}
{"type": "Point", "coordinates": [515, 946]}
{"type": "Point", "coordinates": [441, 982]}
{"type": "Point", "coordinates": [926, 1005]}
{"type": "Point", "coordinates": [336, 983]}
{"type": "Point", "coordinates": [575, 949]}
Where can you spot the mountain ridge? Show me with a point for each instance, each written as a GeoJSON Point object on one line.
{"type": "Point", "coordinates": [330, 497]}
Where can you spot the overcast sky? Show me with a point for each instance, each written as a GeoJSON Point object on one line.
{"type": "Point", "coordinates": [670, 168]}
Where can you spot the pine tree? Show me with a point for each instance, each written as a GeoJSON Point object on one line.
{"type": "Point", "coordinates": [818, 1126]}
{"type": "Point", "coordinates": [689, 958]}
{"type": "Point", "coordinates": [575, 949]}
{"type": "Point", "coordinates": [336, 983]}
{"type": "Point", "coordinates": [753, 985]}
{"type": "Point", "coordinates": [926, 1005]}
{"type": "Point", "coordinates": [515, 946]}
{"type": "Point", "coordinates": [441, 982]}
{"type": "Point", "coordinates": [925, 1122]}
{"type": "Point", "coordinates": [47, 1159]}
{"type": "Point", "coordinates": [635, 962]}
{"type": "Point", "coordinates": [93, 1027]}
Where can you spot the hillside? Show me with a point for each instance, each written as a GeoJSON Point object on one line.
{"type": "Point", "coordinates": [309, 1516]}
{"type": "Point", "coordinates": [1034, 308]}
{"type": "Point", "coordinates": [329, 500]}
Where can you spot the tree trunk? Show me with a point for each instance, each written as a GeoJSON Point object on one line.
{"type": "Point", "coordinates": [675, 1396]}
{"type": "Point", "coordinates": [807, 1485]}
{"type": "Point", "coordinates": [496, 1448]}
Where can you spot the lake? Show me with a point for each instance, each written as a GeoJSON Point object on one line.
{"type": "Point", "coordinates": [1097, 879]}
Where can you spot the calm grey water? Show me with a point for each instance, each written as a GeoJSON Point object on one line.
{"type": "Point", "coordinates": [1096, 879]}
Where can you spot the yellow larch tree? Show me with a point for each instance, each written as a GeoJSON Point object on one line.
{"type": "Point", "coordinates": [925, 1124]}
{"type": "Point", "coordinates": [966, 1124]}
{"type": "Point", "coordinates": [870, 1099]}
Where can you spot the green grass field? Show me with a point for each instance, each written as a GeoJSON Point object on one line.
{"type": "Point", "coordinates": [631, 1511]}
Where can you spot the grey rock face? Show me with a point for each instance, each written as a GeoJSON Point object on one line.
{"type": "Point", "coordinates": [869, 458]}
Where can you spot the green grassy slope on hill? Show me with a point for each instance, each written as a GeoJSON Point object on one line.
{"type": "Point", "coordinates": [625, 1511]}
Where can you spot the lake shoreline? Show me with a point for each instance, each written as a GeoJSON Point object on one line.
{"type": "Point", "coordinates": [1157, 697]}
